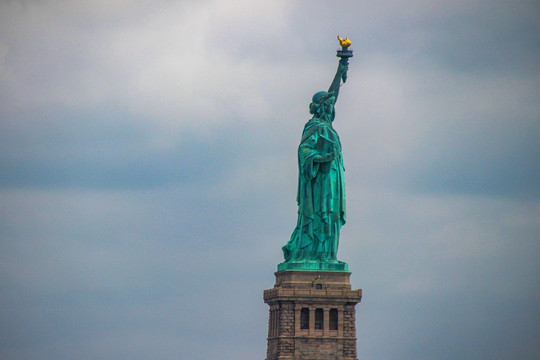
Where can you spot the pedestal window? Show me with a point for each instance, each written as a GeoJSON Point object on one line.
{"type": "Point", "coordinates": [304, 319]}
{"type": "Point", "coordinates": [333, 319]}
{"type": "Point", "coordinates": [319, 319]}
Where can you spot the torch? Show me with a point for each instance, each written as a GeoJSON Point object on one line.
{"type": "Point", "coordinates": [344, 54]}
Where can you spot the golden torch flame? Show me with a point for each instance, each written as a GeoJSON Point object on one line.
{"type": "Point", "coordinates": [345, 43]}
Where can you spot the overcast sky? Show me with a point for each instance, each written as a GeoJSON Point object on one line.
{"type": "Point", "coordinates": [148, 173]}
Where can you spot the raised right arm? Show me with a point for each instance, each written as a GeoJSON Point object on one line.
{"type": "Point", "coordinates": [343, 66]}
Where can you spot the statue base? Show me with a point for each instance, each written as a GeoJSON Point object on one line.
{"type": "Point", "coordinates": [306, 265]}
{"type": "Point", "coordinates": [312, 316]}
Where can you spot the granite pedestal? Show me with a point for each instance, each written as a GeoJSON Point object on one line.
{"type": "Point", "coordinates": [312, 316]}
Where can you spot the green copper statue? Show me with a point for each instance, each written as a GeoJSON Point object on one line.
{"type": "Point", "coordinates": [321, 184]}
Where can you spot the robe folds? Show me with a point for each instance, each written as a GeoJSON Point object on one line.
{"type": "Point", "coordinates": [320, 197]}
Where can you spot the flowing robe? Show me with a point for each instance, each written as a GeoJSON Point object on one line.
{"type": "Point", "coordinates": [320, 197]}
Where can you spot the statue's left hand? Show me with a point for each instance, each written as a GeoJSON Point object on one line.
{"type": "Point", "coordinates": [325, 158]}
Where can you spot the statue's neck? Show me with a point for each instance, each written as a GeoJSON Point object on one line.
{"type": "Point", "coordinates": [325, 118]}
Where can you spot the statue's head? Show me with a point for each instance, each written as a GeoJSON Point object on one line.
{"type": "Point", "coordinates": [319, 96]}
{"type": "Point", "coordinates": [322, 105]}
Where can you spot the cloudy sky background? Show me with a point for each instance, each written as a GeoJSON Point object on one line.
{"type": "Point", "coordinates": [148, 173]}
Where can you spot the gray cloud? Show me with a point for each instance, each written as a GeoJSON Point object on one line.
{"type": "Point", "coordinates": [149, 174]}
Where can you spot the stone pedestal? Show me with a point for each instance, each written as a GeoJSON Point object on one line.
{"type": "Point", "coordinates": [312, 316]}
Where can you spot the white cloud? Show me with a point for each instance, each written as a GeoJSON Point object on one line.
{"type": "Point", "coordinates": [159, 61]}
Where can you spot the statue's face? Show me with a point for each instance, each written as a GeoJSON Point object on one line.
{"type": "Point", "coordinates": [323, 105]}
{"type": "Point", "coordinates": [327, 105]}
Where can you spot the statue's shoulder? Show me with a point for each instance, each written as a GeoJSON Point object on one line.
{"type": "Point", "coordinates": [313, 126]}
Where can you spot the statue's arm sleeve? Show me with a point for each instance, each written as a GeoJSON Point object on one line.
{"type": "Point", "coordinates": [306, 154]}
{"type": "Point", "coordinates": [336, 83]}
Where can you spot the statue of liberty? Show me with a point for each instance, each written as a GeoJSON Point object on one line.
{"type": "Point", "coordinates": [321, 184]}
